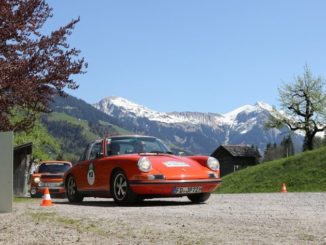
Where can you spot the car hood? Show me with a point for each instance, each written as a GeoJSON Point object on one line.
{"type": "Point", "coordinates": [174, 167]}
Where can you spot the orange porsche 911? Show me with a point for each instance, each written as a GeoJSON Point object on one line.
{"type": "Point", "coordinates": [49, 174]}
{"type": "Point", "coordinates": [133, 168]}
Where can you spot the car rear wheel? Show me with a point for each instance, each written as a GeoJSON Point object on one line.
{"type": "Point", "coordinates": [120, 190]}
{"type": "Point", "coordinates": [199, 198]}
{"type": "Point", "coordinates": [71, 190]}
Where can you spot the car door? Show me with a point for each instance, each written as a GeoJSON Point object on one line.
{"type": "Point", "coordinates": [81, 169]}
{"type": "Point", "coordinates": [94, 166]}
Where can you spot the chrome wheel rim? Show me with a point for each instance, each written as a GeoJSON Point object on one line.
{"type": "Point", "coordinates": [120, 186]}
{"type": "Point", "coordinates": [71, 187]}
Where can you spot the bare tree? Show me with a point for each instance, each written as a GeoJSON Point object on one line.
{"type": "Point", "coordinates": [33, 66]}
{"type": "Point", "coordinates": [304, 106]}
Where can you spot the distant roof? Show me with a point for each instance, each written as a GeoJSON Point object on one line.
{"type": "Point", "coordinates": [240, 150]}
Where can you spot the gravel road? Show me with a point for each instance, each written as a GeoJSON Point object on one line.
{"type": "Point", "coordinates": [276, 218]}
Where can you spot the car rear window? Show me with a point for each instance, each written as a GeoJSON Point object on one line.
{"type": "Point", "coordinates": [53, 167]}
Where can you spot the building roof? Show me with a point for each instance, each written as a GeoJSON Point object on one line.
{"type": "Point", "coordinates": [240, 150]}
{"type": "Point", "coordinates": [27, 148]}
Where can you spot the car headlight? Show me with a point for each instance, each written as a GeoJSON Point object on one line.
{"type": "Point", "coordinates": [37, 180]}
{"type": "Point", "coordinates": [144, 164]}
{"type": "Point", "coordinates": [213, 163]}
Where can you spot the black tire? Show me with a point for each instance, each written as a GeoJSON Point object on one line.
{"type": "Point", "coordinates": [120, 189]}
{"type": "Point", "coordinates": [71, 190]}
{"type": "Point", "coordinates": [199, 198]}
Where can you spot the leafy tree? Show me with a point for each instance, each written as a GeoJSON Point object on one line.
{"type": "Point", "coordinates": [304, 106]}
{"type": "Point", "coordinates": [44, 145]}
{"type": "Point", "coordinates": [33, 67]}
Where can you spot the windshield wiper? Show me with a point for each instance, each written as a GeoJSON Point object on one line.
{"type": "Point", "coordinates": [162, 152]}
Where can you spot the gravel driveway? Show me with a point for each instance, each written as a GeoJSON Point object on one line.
{"type": "Point", "coordinates": [276, 218]}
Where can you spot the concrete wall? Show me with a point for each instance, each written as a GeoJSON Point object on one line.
{"type": "Point", "coordinates": [6, 171]}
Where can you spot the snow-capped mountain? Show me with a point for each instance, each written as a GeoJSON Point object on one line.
{"type": "Point", "coordinates": [196, 132]}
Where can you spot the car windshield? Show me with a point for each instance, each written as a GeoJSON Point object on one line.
{"type": "Point", "coordinates": [132, 145]}
{"type": "Point", "coordinates": [53, 167]}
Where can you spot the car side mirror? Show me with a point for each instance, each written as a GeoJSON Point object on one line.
{"type": "Point", "coordinates": [99, 155]}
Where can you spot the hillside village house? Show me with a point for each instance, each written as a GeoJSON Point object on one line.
{"type": "Point", "coordinates": [235, 157]}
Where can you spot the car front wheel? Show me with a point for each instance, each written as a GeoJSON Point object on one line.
{"type": "Point", "coordinates": [120, 190]}
{"type": "Point", "coordinates": [199, 198]}
{"type": "Point", "coordinates": [71, 190]}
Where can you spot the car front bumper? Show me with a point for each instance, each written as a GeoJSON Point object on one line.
{"type": "Point", "coordinates": [168, 187]}
{"type": "Point", "coordinates": [39, 191]}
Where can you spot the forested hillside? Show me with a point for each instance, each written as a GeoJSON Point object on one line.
{"type": "Point", "coordinates": [72, 125]}
{"type": "Point", "coordinates": [80, 109]}
{"type": "Point", "coordinates": [73, 134]}
{"type": "Point", "coordinates": [45, 146]}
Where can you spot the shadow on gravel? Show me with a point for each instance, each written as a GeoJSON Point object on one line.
{"type": "Point", "coordinates": [146, 203]}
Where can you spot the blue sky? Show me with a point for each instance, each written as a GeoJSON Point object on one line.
{"type": "Point", "coordinates": [187, 55]}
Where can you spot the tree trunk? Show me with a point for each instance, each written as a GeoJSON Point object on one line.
{"type": "Point", "coordinates": [308, 142]}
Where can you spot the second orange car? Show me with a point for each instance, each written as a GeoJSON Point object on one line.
{"type": "Point", "coordinates": [49, 174]}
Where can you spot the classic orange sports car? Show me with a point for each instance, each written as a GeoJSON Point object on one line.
{"type": "Point", "coordinates": [49, 174]}
{"type": "Point", "coordinates": [133, 168]}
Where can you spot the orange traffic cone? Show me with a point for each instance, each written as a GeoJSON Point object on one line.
{"type": "Point", "coordinates": [283, 188]}
{"type": "Point", "coordinates": [46, 199]}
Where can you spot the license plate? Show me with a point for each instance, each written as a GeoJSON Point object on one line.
{"type": "Point", "coordinates": [188, 190]}
{"type": "Point", "coordinates": [49, 184]}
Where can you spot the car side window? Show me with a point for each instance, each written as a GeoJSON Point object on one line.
{"type": "Point", "coordinates": [84, 156]}
{"type": "Point", "coordinates": [95, 151]}
{"type": "Point", "coordinates": [113, 149]}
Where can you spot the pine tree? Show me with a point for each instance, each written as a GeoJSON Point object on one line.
{"type": "Point", "coordinates": [286, 147]}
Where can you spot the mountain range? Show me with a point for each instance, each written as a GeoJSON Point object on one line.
{"type": "Point", "coordinates": [196, 132]}
{"type": "Point", "coordinates": [191, 132]}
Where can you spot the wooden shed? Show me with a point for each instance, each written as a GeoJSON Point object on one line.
{"type": "Point", "coordinates": [235, 157]}
{"type": "Point", "coordinates": [22, 167]}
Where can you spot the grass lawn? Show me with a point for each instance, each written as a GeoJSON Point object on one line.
{"type": "Point", "coordinates": [305, 172]}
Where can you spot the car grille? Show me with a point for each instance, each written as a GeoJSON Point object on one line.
{"type": "Point", "coordinates": [52, 176]}
{"type": "Point", "coordinates": [159, 176]}
{"type": "Point", "coordinates": [212, 176]}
